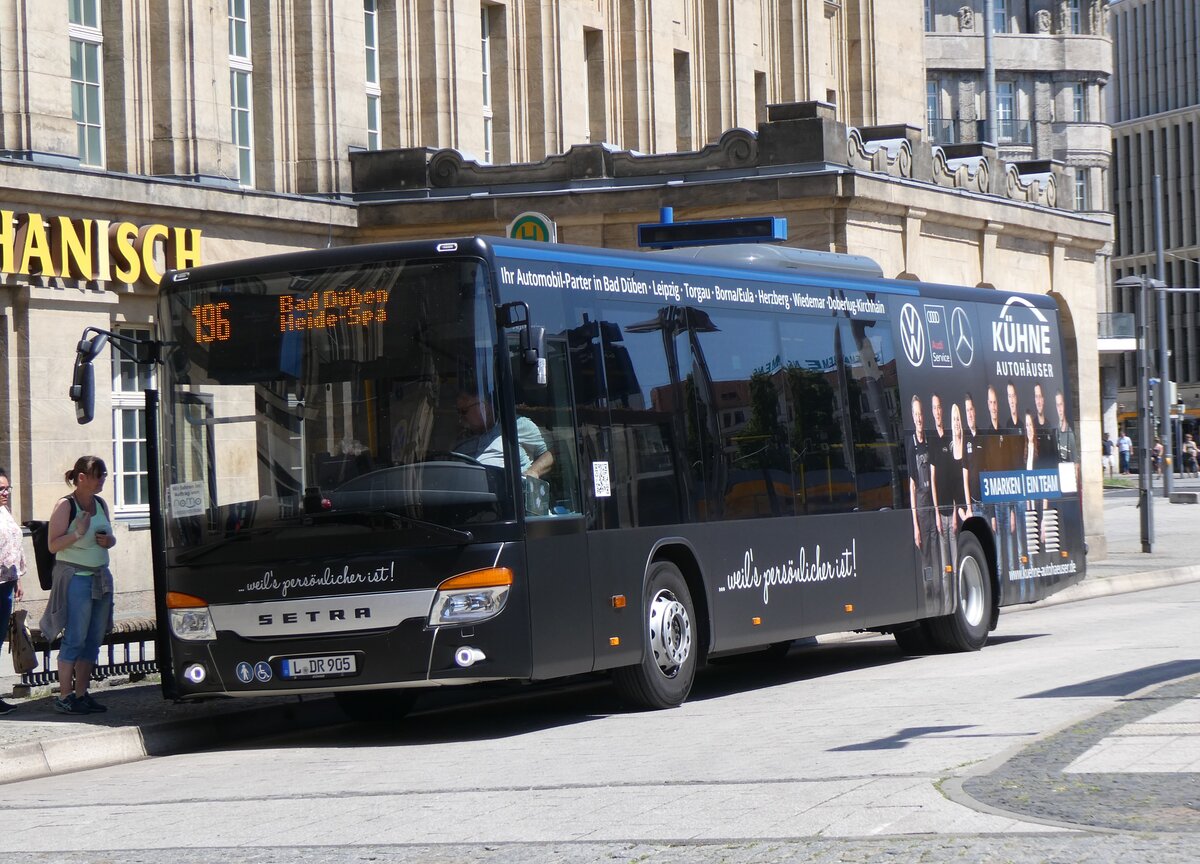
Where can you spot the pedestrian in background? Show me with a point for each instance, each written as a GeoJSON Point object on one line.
{"type": "Point", "coordinates": [12, 564]}
{"type": "Point", "coordinates": [81, 597]}
{"type": "Point", "coordinates": [1189, 455]}
{"type": "Point", "coordinates": [1106, 460]}
{"type": "Point", "coordinates": [1125, 450]}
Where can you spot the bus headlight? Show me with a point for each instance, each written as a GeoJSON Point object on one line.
{"type": "Point", "coordinates": [471, 597]}
{"type": "Point", "coordinates": [190, 618]}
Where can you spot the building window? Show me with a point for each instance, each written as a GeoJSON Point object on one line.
{"type": "Point", "coordinates": [1074, 17]}
{"type": "Point", "coordinates": [1005, 107]}
{"type": "Point", "coordinates": [371, 41]}
{"type": "Point", "coordinates": [240, 106]}
{"type": "Point", "coordinates": [485, 32]}
{"type": "Point", "coordinates": [129, 475]}
{"type": "Point", "coordinates": [373, 122]}
{"type": "Point", "coordinates": [999, 16]}
{"type": "Point", "coordinates": [932, 109]}
{"type": "Point", "coordinates": [1078, 102]}
{"type": "Point", "coordinates": [1081, 189]}
{"type": "Point", "coordinates": [86, 44]}
{"type": "Point", "coordinates": [928, 16]}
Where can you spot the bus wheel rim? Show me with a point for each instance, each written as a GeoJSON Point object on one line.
{"type": "Point", "coordinates": [670, 633]}
{"type": "Point", "coordinates": [970, 584]}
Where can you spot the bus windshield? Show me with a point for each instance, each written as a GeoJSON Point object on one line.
{"type": "Point", "coordinates": [303, 404]}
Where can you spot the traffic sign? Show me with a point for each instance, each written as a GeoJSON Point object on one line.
{"type": "Point", "coordinates": [533, 226]}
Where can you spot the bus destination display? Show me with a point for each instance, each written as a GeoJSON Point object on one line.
{"type": "Point", "coordinates": [322, 310]}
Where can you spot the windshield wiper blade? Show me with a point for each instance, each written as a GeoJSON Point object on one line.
{"type": "Point", "coordinates": [461, 536]}
{"type": "Point", "coordinates": [186, 557]}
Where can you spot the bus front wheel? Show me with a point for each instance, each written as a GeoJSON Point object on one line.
{"type": "Point", "coordinates": [966, 628]}
{"type": "Point", "coordinates": [664, 676]}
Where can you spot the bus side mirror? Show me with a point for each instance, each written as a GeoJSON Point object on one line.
{"type": "Point", "coordinates": [533, 355]}
{"type": "Point", "coordinates": [83, 390]}
{"type": "Point", "coordinates": [83, 379]}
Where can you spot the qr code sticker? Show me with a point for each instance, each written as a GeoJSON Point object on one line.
{"type": "Point", "coordinates": [600, 478]}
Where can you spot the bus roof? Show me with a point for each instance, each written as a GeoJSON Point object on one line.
{"type": "Point", "coordinates": [754, 262]}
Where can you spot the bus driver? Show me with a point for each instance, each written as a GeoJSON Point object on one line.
{"type": "Point", "coordinates": [486, 444]}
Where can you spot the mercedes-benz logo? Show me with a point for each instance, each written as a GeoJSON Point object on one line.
{"type": "Point", "coordinates": [912, 334]}
{"type": "Point", "coordinates": [962, 336]}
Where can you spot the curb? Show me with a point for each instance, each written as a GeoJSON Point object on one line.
{"type": "Point", "coordinates": [102, 749]}
{"type": "Point", "coordinates": [53, 756]}
{"type": "Point", "coordinates": [1106, 586]}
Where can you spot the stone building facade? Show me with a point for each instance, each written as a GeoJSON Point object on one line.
{"type": "Point", "coordinates": [1156, 130]}
{"type": "Point", "coordinates": [1053, 60]}
{"type": "Point", "coordinates": [139, 135]}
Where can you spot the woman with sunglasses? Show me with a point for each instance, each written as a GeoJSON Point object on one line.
{"type": "Point", "coordinates": [81, 598]}
{"type": "Point", "coordinates": [12, 563]}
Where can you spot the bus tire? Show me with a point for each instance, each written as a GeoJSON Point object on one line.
{"type": "Point", "coordinates": [966, 628]}
{"type": "Point", "coordinates": [664, 676]}
{"type": "Point", "coordinates": [376, 706]}
{"type": "Point", "coordinates": [913, 639]}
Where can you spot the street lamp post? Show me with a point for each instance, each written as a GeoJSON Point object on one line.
{"type": "Point", "coordinates": [1145, 422]}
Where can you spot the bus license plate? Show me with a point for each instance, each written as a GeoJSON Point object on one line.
{"type": "Point", "coordinates": [319, 667]}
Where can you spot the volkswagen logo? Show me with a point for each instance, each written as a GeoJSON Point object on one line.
{"type": "Point", "coordinates": [912, 334]}
{"type": "Point", "coordinates": [961, 336]}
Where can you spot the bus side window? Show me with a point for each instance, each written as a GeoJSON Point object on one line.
{"type": "Point", "coordinates": [874, 405]}
{"type": "Point", "coordinates": [819, 435]}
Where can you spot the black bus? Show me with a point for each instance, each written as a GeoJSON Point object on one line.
{"type": "Point", "coordinates": [407, 465]}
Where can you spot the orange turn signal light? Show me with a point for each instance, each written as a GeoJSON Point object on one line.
{"type": "Point", "coordinates": [618, 601]}
{"type": "Point", "coordinates": [176, 600]}
{"type": "Point", "coordinates": [489, 577]}
{"type": "Point", "coordinates": [614, 641]}
{"type": "Point", "coordinates": [755, 620]}
{"type": "Point", "coordinates": [849, 607]}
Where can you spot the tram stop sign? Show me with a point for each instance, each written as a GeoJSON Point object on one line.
{"type": "Point", "coordinates": [533, 226]}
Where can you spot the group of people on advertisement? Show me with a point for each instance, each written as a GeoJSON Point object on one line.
{"type": "Point", "coordinates": [945, 461]}
{"type": "Point", "coordinates": [80, 606]}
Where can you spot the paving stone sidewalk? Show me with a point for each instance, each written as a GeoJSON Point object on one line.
{"type": "Point", "coordinates": [35, 741]}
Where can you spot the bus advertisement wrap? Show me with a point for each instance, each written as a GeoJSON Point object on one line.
{"type": "Point", "coordinates": [409, 465]}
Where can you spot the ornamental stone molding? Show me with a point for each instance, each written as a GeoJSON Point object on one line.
{"type": "Point", "coordinates": [891, 156]}
{"type": "Point", "coordinates": [450, 168]}
{"type": "Point", "coordinates": [799, 135]}
{"type": "Point", "coordinates": [971, 172]}
{"type": "Point", "coordinates": [1035, 182]}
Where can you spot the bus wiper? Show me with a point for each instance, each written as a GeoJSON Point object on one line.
{"type": "Point", "coordinates": [229, 537]}
{"type": "Point", "coordinates": [459, 535]}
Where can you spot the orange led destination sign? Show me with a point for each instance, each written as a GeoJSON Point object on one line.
{"type": "Point", "coordinates": [323, 310]}
{"type": "Point", "coordinates": [332, 308]}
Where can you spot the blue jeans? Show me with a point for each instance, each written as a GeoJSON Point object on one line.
{"type": "Point", "coordinates": [6, 604]}
{"type": "Point", "coordinates": [87, 621]}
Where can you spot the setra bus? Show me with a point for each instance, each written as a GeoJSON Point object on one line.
{"type": "Point", "coordinates": [405, 465]}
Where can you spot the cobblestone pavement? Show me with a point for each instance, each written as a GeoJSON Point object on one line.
{"type": "Point", "coordinates": [1067, 848]}
{"type": "Point", "coordinates": [1043, 780]}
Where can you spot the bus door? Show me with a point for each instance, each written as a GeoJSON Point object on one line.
{"type": "Point", "coordinates": [560, 587]}
{"type": "Point", "coordinates": [625, 363]}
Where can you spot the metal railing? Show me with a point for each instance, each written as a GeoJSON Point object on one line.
{"type": "Point", "coordinates": [943, 131]}
{"type": "Point", "coordinates": [1008, 131]}
{"type": "Point", "coordinates": [1115, 325]}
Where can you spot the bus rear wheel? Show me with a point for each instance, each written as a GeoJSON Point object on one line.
{"type": "Point", "coordinates": [664, 676]}
{"type": "Point", "coordinates": [376, 706]}
{"type": "Point", "coordinates": [966, 628]}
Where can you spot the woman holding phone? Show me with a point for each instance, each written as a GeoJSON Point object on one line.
{"type": "Point", "coordinates": [81, 597]}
